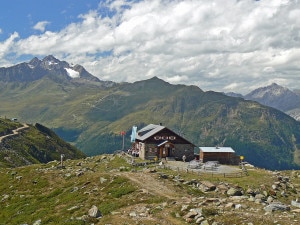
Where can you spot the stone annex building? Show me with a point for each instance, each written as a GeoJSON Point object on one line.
{"type": "Point", "coordinates": [161, 142]}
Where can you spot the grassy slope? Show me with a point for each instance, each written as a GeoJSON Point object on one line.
{"type": "Point", "coordinates": [36, 144]}
{"type": "Point", "coordinates": [58, 196]}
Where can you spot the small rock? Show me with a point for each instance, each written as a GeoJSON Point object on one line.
{"type": "Point", "coordinates": [102, 180]}
{"type": "Point", "coordinates": [205, 222]}
{"type": "Point", "coordinates": [132, 214]}
{"type": "Point", "coordinates": [234, 192]}
{"type": "Point", "coordinates": [38, 222]}
{"type": "Point", "coordinates": [276, 207]}
{"type": "Point", "coordinates": [94, 212]}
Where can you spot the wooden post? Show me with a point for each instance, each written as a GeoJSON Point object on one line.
{"type": "Point", "coordinates": [62, 160]}
{"type": "Point", "coordinates": [123, 135]}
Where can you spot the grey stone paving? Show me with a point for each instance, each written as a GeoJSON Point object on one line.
{"type": "Point", "coordinates": [218, 169]}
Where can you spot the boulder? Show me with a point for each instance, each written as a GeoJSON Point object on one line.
{"type": "Point", "coordinates": [94, 212]}
{"type": "Point", "coordinates": [207, 186]}
{"type": "Point", "coordinates": [234, 192]}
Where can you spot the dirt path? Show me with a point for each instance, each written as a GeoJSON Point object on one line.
{"type": "Point", "coordinates": [152, 184]}
{"type": "Point", "coordinates": [15, 132]}
{"type": "Point", "coordinates": [149, 182]}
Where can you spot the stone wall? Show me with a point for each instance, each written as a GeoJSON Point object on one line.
{"type": "Point", "coordinates": [150, 151]}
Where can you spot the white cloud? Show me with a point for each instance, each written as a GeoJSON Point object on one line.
{"type": "Point", "coordinates": [218, 45]}
{"type": "Point", "coordinates": [6, 46]}
{"type": "Point", "coordinates": [72, 73]}
{"type": "Point", "coordinates": [41, 26]}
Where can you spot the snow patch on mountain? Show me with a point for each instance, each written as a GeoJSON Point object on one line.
{"type": "Point", "coordinates": [52, 63]}
{"type": "Point", "coordinates": [72, 73]}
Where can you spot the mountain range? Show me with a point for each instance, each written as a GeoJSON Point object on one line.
{"type": "Point", "coordinates": [91, 113]}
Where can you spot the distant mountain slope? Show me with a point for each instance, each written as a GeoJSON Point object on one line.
{"type": "Point", "coordinates": [92, 116]}
{"type": "Point", "coordinates": [51, 67]}
{"type": "Point", "coordinates": [275, 96]}
{"type": "Point", "coordinates": [35, 144]}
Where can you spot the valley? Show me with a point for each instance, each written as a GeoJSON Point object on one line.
{"type": "Point", "coordinates": [90, 113]}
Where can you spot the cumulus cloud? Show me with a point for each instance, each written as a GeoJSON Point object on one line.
{"type": "Point", "coordinates": [6, 47]}
{"type": "Point", "coordinates": [41, 26]}
{"type": "Point", "coordinates": [218, 45]}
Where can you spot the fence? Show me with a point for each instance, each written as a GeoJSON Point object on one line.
{"type": "Point", "coordinates": [213, 173]}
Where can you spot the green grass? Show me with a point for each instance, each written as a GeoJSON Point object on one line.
{"type": "Point", "coordinates": [59, 196]}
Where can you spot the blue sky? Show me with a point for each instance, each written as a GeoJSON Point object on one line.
{"type": "Point", "coordinates": [221, 45]}
{"type": "Point", "coordinates": [22, 16]}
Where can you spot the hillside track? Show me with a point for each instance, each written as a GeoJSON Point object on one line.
{"type": "Point", "coordinates": [149, 183]}
{"type": "Point", "coordinates": [15, 132]}
{"type": "Point", "coordinates": [152, 185]}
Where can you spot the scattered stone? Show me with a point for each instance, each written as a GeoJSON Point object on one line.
{"type": "Point", "coordinates": [79, 173]}
{"type": "Point", "coordinates": [250, 191]}
{"type": "Point", "coordinates": [230, 205]}
{"type": "Point", "coordinates": [102, 180]}
{"type": "Point", "coordinates": [190, 214]}
{"type": "Point", "coordinates": [207, 186]}
{"type": "Point", "coordinates": [277, 206]}
{"type": "Point", "coordinates": [68, 174]}
{"type": "Point", "coordinates": [260, 196]}
{"type": "Point", "coordinates": [94, 212]}
{"type": "Point", "coordinates": [184, 207]}
{"type": "Point", "coordinates": [73, 208]}
{"type": "Point", "coordinates": [295, 203]}
{"type": "Point", "coordinates": [19, 178]}
{"type": "Point", "coordinates": [205, 222]}
{"type": "Point", "coordinates": [222, 188]}
{"type": "Point", "coordinates": [200, 220]}
{"type": "Point", "coordinates": [38, 222]}
{"type": "Point", "coordinates": [296, 210]}
{"type": "Point", "coordinates": [270, 199]}
{"type": "Point", "coordinates": [238, 206]}
{"type": "Point", "coordinates": [74, 189]}
{"type": "Point", "coordinates": [5, 197]}
{"type": "Point", "coordinates": [164, 176]}
{"type": "Point", "coordinates": [234, 192]}
{"type": "Point", "coordinates": [132, 214]}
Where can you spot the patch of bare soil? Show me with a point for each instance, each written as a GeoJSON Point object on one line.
{"type": "Point", "coordinates": [155, 213]}
{"type": "Point", "coordinates": [153, 185]}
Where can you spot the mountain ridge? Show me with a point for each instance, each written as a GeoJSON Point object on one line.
{"type": "Point", "coordinates": [91, 116]}
{"type": "Point", "coordinates": [50, 66]}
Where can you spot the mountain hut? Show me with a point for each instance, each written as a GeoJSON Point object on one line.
{"type": "Point", "coordinates": [159, 141]}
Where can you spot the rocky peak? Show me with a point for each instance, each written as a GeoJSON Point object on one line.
{"type": "Point", "coordinates": [275, 96]}
{"type": "Point", "coordinates": [273, 90]}
{"type": "Point", "coordinates": [50, 63]}
{"type": "Point", "coordinates": [50, 58]}
{"type": "Point", "coordinates": [49, 66]}
{"type": "Point", "coordinates": [34, 62]}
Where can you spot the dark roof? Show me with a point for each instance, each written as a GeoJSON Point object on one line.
{"type": "Point", "coordinates": [148, 131]}
{"type": "Point", "coordinates": [152, 129]}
